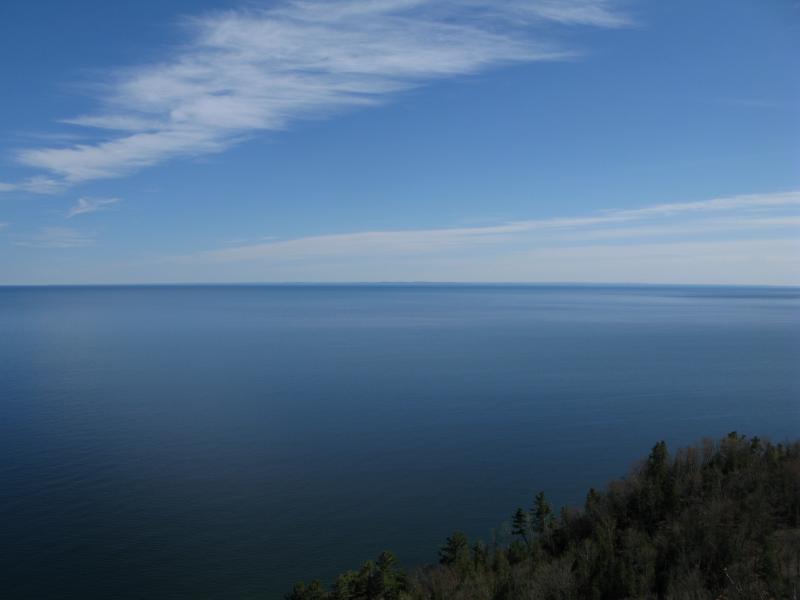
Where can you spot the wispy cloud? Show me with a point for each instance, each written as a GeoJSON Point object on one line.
{"type": "Point", "coordinates": [746, 213]}
{"type": "Point", "coordinates": [57, 237]}
{"type": "Point", "coordinates": [34, 185]}
{"type": "Point", "coordinates": [90, 205]}
{"type": "Point", "coordinates": [245, 71]}
{"type": "Point", "coordinates": [747, 201]}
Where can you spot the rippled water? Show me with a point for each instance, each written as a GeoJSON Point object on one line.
{"type": "Point", "coordinates": [221, 442]}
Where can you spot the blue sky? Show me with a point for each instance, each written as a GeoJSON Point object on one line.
{"type": "Point", "coordinates": [400, 140]}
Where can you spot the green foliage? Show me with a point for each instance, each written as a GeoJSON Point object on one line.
{"type": "Point", "coordinates": [521, 525]}
{"type": "Point", "coordinates": [455, 552]}
{"type": "Point", "coordinates": [301, 591]}
{"type": "Point", "coordinates": [480, 556]}
{"type": "Point", "coordinates": [716, 520]}
{"type": "Point", "coordinates": [542, 515]}
{"type": "Point", "coordinates": [379, 580]}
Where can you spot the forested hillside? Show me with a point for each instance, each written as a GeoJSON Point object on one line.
{"type": "Point", "coordinates": [716, 520]}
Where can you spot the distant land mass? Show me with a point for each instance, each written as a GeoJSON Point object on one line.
{"type": "Point", "coordinates": [720, 519]}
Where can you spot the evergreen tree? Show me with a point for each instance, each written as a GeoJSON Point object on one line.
{"type": "Point", "coordinates": [720, 520]}
{"type": "Point", "coordinates": [455, 551]}
{"type": "Point", "coordinates": [542, 516]}
{"type": "Point", "coordinates": [346, 586]}
{"type": "Point", "coordinates": [392, 580]}
{"type": "Point", "coordinates": [521, 525]}
{"type": "Point", "coordinates": [314, 591]}
{"type": "Point", "coordinates": [480, 556]}
{"type": "Point", "coordinates": [657, 461]}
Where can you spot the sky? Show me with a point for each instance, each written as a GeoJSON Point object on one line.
{"type": "Point", "coordinates": [596, 141]}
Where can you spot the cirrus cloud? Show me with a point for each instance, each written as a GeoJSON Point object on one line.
{"type": "Point", "coordinates": [680, 220]}
{"type": "Point", "coordinates": [57, 237]}
{"type": "Point", "coordinates": [90, 205]}
{"type": "Point", "coordinates": [250, 70]}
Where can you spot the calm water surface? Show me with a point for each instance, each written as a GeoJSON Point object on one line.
{"type": "Point", "coordinates": [222, 442]}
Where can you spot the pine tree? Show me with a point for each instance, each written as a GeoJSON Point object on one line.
{"type": "Point", "coordinates": [521, 525]}
{"type": "Point", "coordinates": [480, 556]}
{"type": "Point", "coordinates": [392, 581]}
{"type": "Point", "coordinates": [346, 586]}
{"type": "Point", "coordinates": [314, 591]}
{"type": "Point", "coordinates": [455, 551]}
{"type": "Point", "coordinates": [542, 515]}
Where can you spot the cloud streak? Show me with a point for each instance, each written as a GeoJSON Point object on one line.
{"type": "Point", "coordinates": [89, 205]}
{"type": "Point", "coordinates": [57, 237]}
{"type": "Point", "coordinates": [749, 239]}
{"type": "Point", "coordinates": [34, 185]}
{"type": "Point", "coordinates": [745, 213]}
{"type": "Point", "coordinates": [246, 71]}
{"type": "Point", "coordinates": [745, 239]}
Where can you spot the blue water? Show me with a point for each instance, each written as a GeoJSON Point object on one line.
{"type": "Point", "coordinates": [222, 442]}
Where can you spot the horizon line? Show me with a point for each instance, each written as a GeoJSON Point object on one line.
{"type": "Point", "coordinates": [388, 283]}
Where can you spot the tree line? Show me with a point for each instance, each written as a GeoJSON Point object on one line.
{"type": "Point", "coordinates": [720, 519]}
